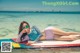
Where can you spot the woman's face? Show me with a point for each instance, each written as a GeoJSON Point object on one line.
{"type": "Point", "coordinates": [24, 24]}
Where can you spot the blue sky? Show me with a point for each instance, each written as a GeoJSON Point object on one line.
{"type": "Point", "coordinates": [29, 5]}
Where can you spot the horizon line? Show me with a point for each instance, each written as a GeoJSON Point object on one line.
{"type": "Point", "coordinates": [60, 12]}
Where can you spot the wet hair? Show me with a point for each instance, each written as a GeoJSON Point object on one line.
{"type": "Point", "coordinates": [21, 26]}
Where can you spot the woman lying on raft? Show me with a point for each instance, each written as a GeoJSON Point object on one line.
{"type": "Point", "coordinates": [48, 33]}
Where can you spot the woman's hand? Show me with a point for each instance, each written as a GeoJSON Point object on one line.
{"type": "Point", "coordinates": [25, 31]}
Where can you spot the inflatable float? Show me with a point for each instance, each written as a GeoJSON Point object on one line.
{"type": "Point", "coordinates": [43, 44]}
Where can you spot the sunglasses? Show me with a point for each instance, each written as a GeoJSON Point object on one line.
{"type": "Point", "coordinates": [26, 26]}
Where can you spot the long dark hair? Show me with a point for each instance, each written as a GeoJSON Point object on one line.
{"type": "Point", "coordinates": [21, 26]}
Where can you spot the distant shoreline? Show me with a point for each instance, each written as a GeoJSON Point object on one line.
{"type": "Point", "coordinates": [59, 12]}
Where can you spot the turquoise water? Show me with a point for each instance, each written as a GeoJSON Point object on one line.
{"type": "Point", "coordinates": [9, 22]}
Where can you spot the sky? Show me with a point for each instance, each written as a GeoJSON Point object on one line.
{"type": "Point", "coordinates": [35, 5]}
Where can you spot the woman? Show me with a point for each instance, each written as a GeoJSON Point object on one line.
{"type": "Point", "coordinates": [23, 32]}
{"type": "Point", "coordinates": [47, 34]}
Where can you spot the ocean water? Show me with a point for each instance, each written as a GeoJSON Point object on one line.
{"type": "Point", "coordinates": [9, 22]}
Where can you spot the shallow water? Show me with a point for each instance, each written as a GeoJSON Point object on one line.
{"type": "Point", "coordinates": [9, 22]}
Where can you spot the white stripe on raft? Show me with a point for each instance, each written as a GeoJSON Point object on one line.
{"type": "Point", "coordinates": [56, 43]}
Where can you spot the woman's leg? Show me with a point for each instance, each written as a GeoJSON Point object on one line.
{"type": "Point", "coordinates": [67, 38]}
{"type": "Point", "coordinates": [61, 32]}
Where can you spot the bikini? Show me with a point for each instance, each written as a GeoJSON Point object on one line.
{"type": "Point", "coordinates": [49, 33]}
